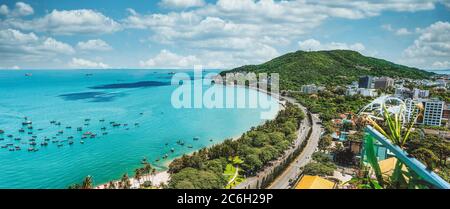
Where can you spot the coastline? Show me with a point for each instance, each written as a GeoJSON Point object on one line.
{"type": "Point", "coordinates": [163, 177]}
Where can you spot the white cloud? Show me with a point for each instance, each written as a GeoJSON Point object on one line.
{"type": "Point", "coordinates": [68, 22]}
{"type": "Point", "coordinates": [315, 45]}
{"type": "Point", "coordinates": [433, 41]}
{"type": "Point", "coordinates": [14, 43]}
{"type": "Point", "coordinates": [398, 32]}
{"type": "Point", "coordinates": [441, 65]}
{"type": "Point", "coordinates": [402, 32]}
{"type": "Point", "coordinates": [4, 10]}
{"type": "Point", "coordinates": [15, 67]}
{"type": "Point", "coordinates": [94, 45]}
{"type": "Point", "coordinates": [230, 26]}
{"type": "Point", "coordinates": [431, 48]}
{"type": "Point", "coordinates": [182, 3]}
{"type": "Point", "coordinates": [84, 63]}
{"type": "Point", "coordinates": [21, 9]}
{"type": "Point", "coordinates": [167, 59]}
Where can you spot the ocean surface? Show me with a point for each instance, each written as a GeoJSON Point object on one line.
{"type": "Point", "coordinates": [444, 72]}
{"type": "Point", "coordinates": [138, 100]}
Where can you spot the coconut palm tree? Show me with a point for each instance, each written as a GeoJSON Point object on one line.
{"type": "Point", "coordinates": [138, 174]}
{"type": "Point", "coordinates": [112, 185]}
{"type": "Point", "coordinates": [126, 184]}
{"type": "Point", "coordinates": [87, 183]}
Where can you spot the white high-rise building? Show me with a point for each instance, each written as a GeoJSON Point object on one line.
{"type": "Point", "coordinates": [419, 93]}
{"type": "Point", "coordinates": [433, 111]}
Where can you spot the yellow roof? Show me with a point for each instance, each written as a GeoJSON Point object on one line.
{"type": "Point", "coordinates": [314, 182]}
{"type": "Point", "coordinates": [387, 165]}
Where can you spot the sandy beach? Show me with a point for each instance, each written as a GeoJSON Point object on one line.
{"type": "Point", "coordinates": [157, 179]}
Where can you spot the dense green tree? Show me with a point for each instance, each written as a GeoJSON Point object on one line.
{"type": "Point", "coordinates": [190, 178]}
{"type": "Point", "coordinates": [318, 169]}
{"type": "Point", "coordinates": [325, 142]}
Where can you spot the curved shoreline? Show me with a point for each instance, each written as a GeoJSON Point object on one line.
{"type": "Point", "coordinates": [163, 176]}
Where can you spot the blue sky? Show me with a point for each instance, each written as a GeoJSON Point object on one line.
{"type": "Point", "coordinates": [160, 34]}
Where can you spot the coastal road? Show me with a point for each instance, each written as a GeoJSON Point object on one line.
{"type": "Point", "coordinates": [293, 170]}
{"type": "Point", "coordinates": [305, 126]}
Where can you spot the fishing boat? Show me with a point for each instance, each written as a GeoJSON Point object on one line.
{"type": "Point", "coordinates": [46, 139]}
{"type": "Point", "coordinates": [157, 160]}
{"type": "Point", "coordinates": [55, 141]}
{"type": "Point", "coordinates": [102, 120]}
{"type": "Point", "coordinates": [60, 132]}
{"type": "Point", "coordinates": [68, 127]}
{"type": "Point", "coordinates": [86, 124]}
{"type": "Point", "coordinates": [87, 119]}
{"type": "Point", "coordinates": [40, 129]}
{"type": "Point", "coordinates": [83, 137]}
{"type": "Point", "coordinates": [52, 122]}
{"type": "Point", "coordinates": [136, 124]}
{"type": "Point", "coordinates": [190, 146]}
{"type": "Point", "coordinates": [32, 143]}
{"type": "Point", "coordinates": [196, 138]}
{"type": "Point", "coordinates": [81, 142]}
{"type": "Point", "coordinates": [4, 146]}
{"type": "Point", "coordinates": [70, 137]}
{"type": "Point", "coordinates": [31, 149]}
{"type": "Point", "coordinates": [32, 140]}
{"type": "Point", "coordinates": [44, 144]}
{"type": "Point", "coordinates": [17, 148]}
{"type": "Point", "coordinates": [28, 74]}
{"type": "Point", "coordinates": [11, 149]}
{"type": "Point", "coordinates": [105, 133]}
{"type": "Point", "coordinates": [116, 124]}
{"type": "Point", "coordinates": [172, 150]}
{"type": "Point", "coordinates": [58, 123]}
{"type": "Point", "coordinates": [10, 136]}
{"type": "Point", "coordinates": [1, 139]}
{"type": "Point", "coordinates": [93, 136]}
{"type": "Point", "coordinates": [70, 142]}
{"type": "Point", "coordinates": [30, 127]}
{"type": "Point", "coordinates": [2, 131]}
{"type": "Point", "coordinates": [17, 139]}
{"type": "Point", "coordinates": [103, 128]}
{"type": "Point", "coordinates": [60, 145]}
{"type": "Point", "coordinates": [29, 133]}
{"type": "Point", "coordinates": [210, 140]}
{"type": "Point", "coordinates": [79, 129]}
{"type": "Point", "coordinates": [34, 137]}
{"type": "Point", "coordinates": [26, 123]}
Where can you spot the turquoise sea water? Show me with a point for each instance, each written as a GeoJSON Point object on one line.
{"type": "Point", "coordinates": [444, 72]}
{"type": "Point", "coordinates": [120, 96]}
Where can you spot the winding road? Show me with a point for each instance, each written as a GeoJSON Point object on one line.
{"type": "Point", "coordinates": [292, 171]}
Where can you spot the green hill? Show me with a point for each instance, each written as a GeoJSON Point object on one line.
{"type": "Point", "coordinates": [329, 68]}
